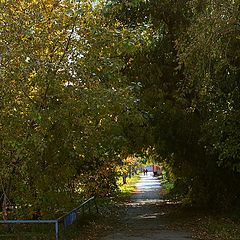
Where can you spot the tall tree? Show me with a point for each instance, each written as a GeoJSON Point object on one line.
{"type": "Point", "coordinates": [182, 77]}
{"type": "Point", "coordinates": [210, 54]}
{"type": "Point", "coordinates": [64, 100]}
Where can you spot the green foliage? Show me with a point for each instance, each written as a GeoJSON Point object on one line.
{"type": "Point", "coordinates": [213, 80]}
{"type": "Point", "coordinates": [209, 54]}
{"type": "Point", "coordinates": [189, 76]}
{"type": "Point", "coordinates": [83, 85]}
{"type": "Point", "coordinates": [65, 104]}
{"type": "Point", "coordinates": [125, 190]}
{"type": "Point", "coordinates": [166, 181]}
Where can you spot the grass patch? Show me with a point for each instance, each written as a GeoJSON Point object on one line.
{"type": "Point", "coordinates": [125, 190]}
{"type": "Point", "coordinates": [223, 227]}
{"type": "Point", "coordinates": [167, 185]}
{"type": "Point", "coordinates": [208, 224]}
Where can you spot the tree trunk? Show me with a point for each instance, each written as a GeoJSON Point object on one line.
{"type": "Point", "coordinates": [4, 207]}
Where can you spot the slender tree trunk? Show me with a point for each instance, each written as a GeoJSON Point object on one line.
{"type": "Point", "coordinates": [4, 207]}
{"type": "Point", "coordinates": [124, 176]}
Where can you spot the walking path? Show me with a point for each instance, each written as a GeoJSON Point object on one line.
{"type": "Point", "coordinates": [145, 218]}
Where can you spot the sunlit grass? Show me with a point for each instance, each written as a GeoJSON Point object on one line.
{"type": "Point", "coordinates": [130, 185]}
{"type": "Point", "coordinates": [125, 190]}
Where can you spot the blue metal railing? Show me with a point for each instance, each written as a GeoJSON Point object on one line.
{"type": "Point", "coordinates": [67, 218]}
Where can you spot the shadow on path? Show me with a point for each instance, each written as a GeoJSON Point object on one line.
{"type": "Point", "coordinates": [145, 218]}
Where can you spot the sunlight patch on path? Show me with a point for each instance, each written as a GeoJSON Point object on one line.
{"type": "Point", "coordinates": [145, 218]}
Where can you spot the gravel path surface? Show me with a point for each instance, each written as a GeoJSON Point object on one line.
{"type": "Point", "coordinates": [145, 218]}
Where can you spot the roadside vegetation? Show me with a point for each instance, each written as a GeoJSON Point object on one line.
{"type": "Point", "coordinates": [89, 86]}
{"type": "Point", "coordinates": [223, 226]}
{"type": "Point", "coordinates": [206, 225]}
{"type": "Point", "coordinates": [126, 190]}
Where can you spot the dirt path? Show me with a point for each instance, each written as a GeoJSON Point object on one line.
{"type": "Point", "coordinates": [145, 218]}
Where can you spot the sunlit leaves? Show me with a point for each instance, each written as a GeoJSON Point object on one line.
{"type": "Point", "coordinates": [65, 101]}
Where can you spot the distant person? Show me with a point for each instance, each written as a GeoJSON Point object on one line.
{"type": "Point", "coordinates": [146, 171]}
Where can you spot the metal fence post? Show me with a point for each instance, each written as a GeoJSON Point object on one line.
{"type": "Point", "coordinates": [56, 229]}
{"type": "Point", "coordinates": [68, 218]}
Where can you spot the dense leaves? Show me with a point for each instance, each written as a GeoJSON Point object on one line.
{"type": "Point", "coordinates": [210, 54]}
{"type": "Point", "coordinates": [84, 84]}
{"type": "Point", "coordinates": [64, 102]}
{"type": "Point", "coordinates": [190, 79]}
{"type": "Point", "coordinates": [213, 44]}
